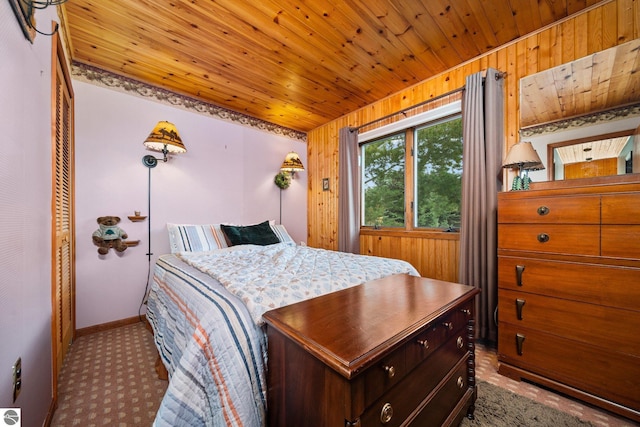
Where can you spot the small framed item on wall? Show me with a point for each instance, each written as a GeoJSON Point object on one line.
{"type": "Point", "coordinates": [24, 14]}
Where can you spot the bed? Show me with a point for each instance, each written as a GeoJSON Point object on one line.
{"type": "Point", "coordinates": [205, 307]}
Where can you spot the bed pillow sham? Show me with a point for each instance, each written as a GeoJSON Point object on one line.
{"type": "Point", "coordinates": [208, 237]}
{"type": "Point", "coordinates": [258, 234]}
{"type": "Point", "coordinates": [195, 238]}
{"type": "Point", "coordinates": [282, 234]}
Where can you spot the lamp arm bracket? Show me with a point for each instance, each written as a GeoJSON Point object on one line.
{"type": "Point", "coordinates": [150, 161]}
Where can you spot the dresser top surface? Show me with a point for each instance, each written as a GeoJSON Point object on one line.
{"type": "Point", "coordinates": [351, 328]}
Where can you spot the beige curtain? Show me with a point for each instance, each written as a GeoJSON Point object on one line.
{"type": "Point", "coordinates": [348, 192]}
{"type": "Point", "coordinates": [483, 136]}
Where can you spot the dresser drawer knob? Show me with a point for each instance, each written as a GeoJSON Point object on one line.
{"type": "Point", "coordinates": [448, 325]}
{"type": "Point", "coordinates": [460, 382]}
{"type": "Point", "coordinates": [466, 312]}
{"type": "Point", "coordinates": [386, 414]}
{"type": "Point", "coordinates": [543, 237]}
{"type": "Point", "coordinates": [390, 370]}
{"type": "Point", "coordinates": [424, 343]}
{"type": "Point", "coordinates": [543, 210]}
{"type": "Point", "coordinates": [460, 342]}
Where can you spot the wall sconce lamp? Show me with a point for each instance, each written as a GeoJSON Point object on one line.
{"type": "Point", "coordinates": [165, 139]}
{"type": "Point", "coordinates": [292, 164]}
{"type": "Point", "coordinates": [522, 156]}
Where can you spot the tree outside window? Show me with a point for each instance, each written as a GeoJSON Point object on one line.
{"type": "Point", "coordinates": [436, 176]}
{"type": "Point", "coordinates": [439, 174]}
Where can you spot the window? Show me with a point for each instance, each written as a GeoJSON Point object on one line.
{"type": "Point", "coordinates": [383, 174]}
{"type": "Point", "coordinates": [438, 174]}
{"type": "Point", "coordinates": [412, 178]}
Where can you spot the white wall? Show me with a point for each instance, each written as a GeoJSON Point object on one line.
{"type": "Point", "coordinates": [25, 214]}
{"type": "Point", "coordinates": [225, 176]}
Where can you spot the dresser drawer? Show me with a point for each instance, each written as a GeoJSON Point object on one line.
{"type": "Point", "coordinates": [453, 324]}
{"type": "Point", "coordinates": [391, 370]}
{"type": "Point", "coordinates": [550, 210]}
{"type": "Point", "coordinates": [593, 283]}
{"type": "Point", "coordinates": [438, 408]}
{"type": "Point", "coordinates": [621, 241]}
{"type": "Point", "coordinates": [621, 209]}
{"type": "Point", "coordinates": [380, 378]}
{"type": "Point", "coordinates": [588, 323]}
{"type": "Point", "coordinates": [550, 238]}
{"type": "Point", "coordinates": [420, 385]}
{"type": "Point", "coordinates": [595, 370]}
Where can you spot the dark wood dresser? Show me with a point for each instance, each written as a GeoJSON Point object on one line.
{"type": "Point", "coordinates": [397, 351]}
{"type": "Point", "coordinates": [569, 291]}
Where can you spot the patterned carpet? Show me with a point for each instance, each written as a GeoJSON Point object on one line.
{"type": "Point", "coordinates": [109, 379]}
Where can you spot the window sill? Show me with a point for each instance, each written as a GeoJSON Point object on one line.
{"type": "Point", "coordinates": [417, 234]}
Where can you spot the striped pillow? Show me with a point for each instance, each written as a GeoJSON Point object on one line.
{"type": "Point", "coordinates": [282, 233]}
{"type": "Point", "coordinates": [195, 238]}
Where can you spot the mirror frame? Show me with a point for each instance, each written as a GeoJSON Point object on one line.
{"type": "Point", "coordinates": [551, 166]}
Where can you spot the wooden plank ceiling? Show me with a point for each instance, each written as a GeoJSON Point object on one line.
{"type": "Point", "coordinates": [296, 63]}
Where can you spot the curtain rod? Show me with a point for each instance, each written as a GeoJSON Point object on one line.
{"type": "Point", "coordinates": [403, 111]}
{"type": "Point", "coordinates": [499, 75]}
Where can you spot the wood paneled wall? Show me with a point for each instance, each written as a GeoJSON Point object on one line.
{"type": "Point", "coordinates": [605, 25]}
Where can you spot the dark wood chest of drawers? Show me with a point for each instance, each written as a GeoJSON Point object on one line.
{"type": "Point", "coordinates": [397, 351]}
{"type": "Point", "coordinates": [569, 292]}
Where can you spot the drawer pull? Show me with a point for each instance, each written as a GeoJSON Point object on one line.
{"type": "Point", "coordinates": [390, 370]}
{"type": "Point", "coordinates": [386, 414]}
{"type": "Point", "coordinates": [519, 304]}
{"type": "Point", "coordinates": [466, 312]}
{"type": "Point", "coordinates": [519, 271]}
{"type": "Point", "coordinates": [448, 325]}
{"type": "Point", "coordinates": [543, 210]}
{"type": "Point", "coordinates": [460, 342]}
{"type": "Point", "coordinates": [519, 341]}
{"type": "Point", "coordinates": [543, 237]}
{"type": "Point", "coordinates": [460, 382]}
{"type": "Point", "coordinates": [424, 343]}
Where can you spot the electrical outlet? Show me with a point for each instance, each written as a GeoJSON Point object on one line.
{"type": "Point", "coordinates": [17, 378]}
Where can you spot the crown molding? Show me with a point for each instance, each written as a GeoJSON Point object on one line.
{"type": "Point", "coordinates": [103, 78]}
{"type": "Point", "coordinates": [584, 120]}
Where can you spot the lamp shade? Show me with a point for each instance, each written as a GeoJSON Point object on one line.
{"type": "Point", "coordinates": [292, 163]}
{"type": "Point", "coordinates": [165, 137]}
{"type": "Point", "coordinates": [523, 156]}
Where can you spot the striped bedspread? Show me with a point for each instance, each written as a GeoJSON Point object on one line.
{"type": "Point", "coordinates": [206, 312]}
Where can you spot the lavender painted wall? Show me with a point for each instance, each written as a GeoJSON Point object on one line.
{"type": "Point", "coordinates": [25, 214]}
{"type": "Point", "coordinates": [225, 176]}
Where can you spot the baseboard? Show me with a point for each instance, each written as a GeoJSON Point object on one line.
{"type": "Point", "coordinates": [110, 325]}
{"type": "Point", "coordinates": [52, 410]}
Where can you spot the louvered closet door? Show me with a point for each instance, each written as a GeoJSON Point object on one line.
{"type": "Point", "coordinates": [63, 265]}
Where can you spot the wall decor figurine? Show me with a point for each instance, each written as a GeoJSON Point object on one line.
{"type": "Point", "coordinates": [109, 235]}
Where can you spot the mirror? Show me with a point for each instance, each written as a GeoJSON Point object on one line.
{"type": "Point", "coordinates": [567, 109]}
{"type": "Point", "coordinates": [603, 155]}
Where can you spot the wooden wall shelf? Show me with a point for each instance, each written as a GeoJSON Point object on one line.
{"type": "Point", "coordinates": [136, 218]}
{"type": "Point", "coordinates": [130, 243]}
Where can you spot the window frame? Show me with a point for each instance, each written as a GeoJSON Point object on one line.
{"type": "Point", "coordinates": [409, 126]}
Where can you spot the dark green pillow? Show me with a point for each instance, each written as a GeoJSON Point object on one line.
{"type": "Point", "coordinates": [258, 234]}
